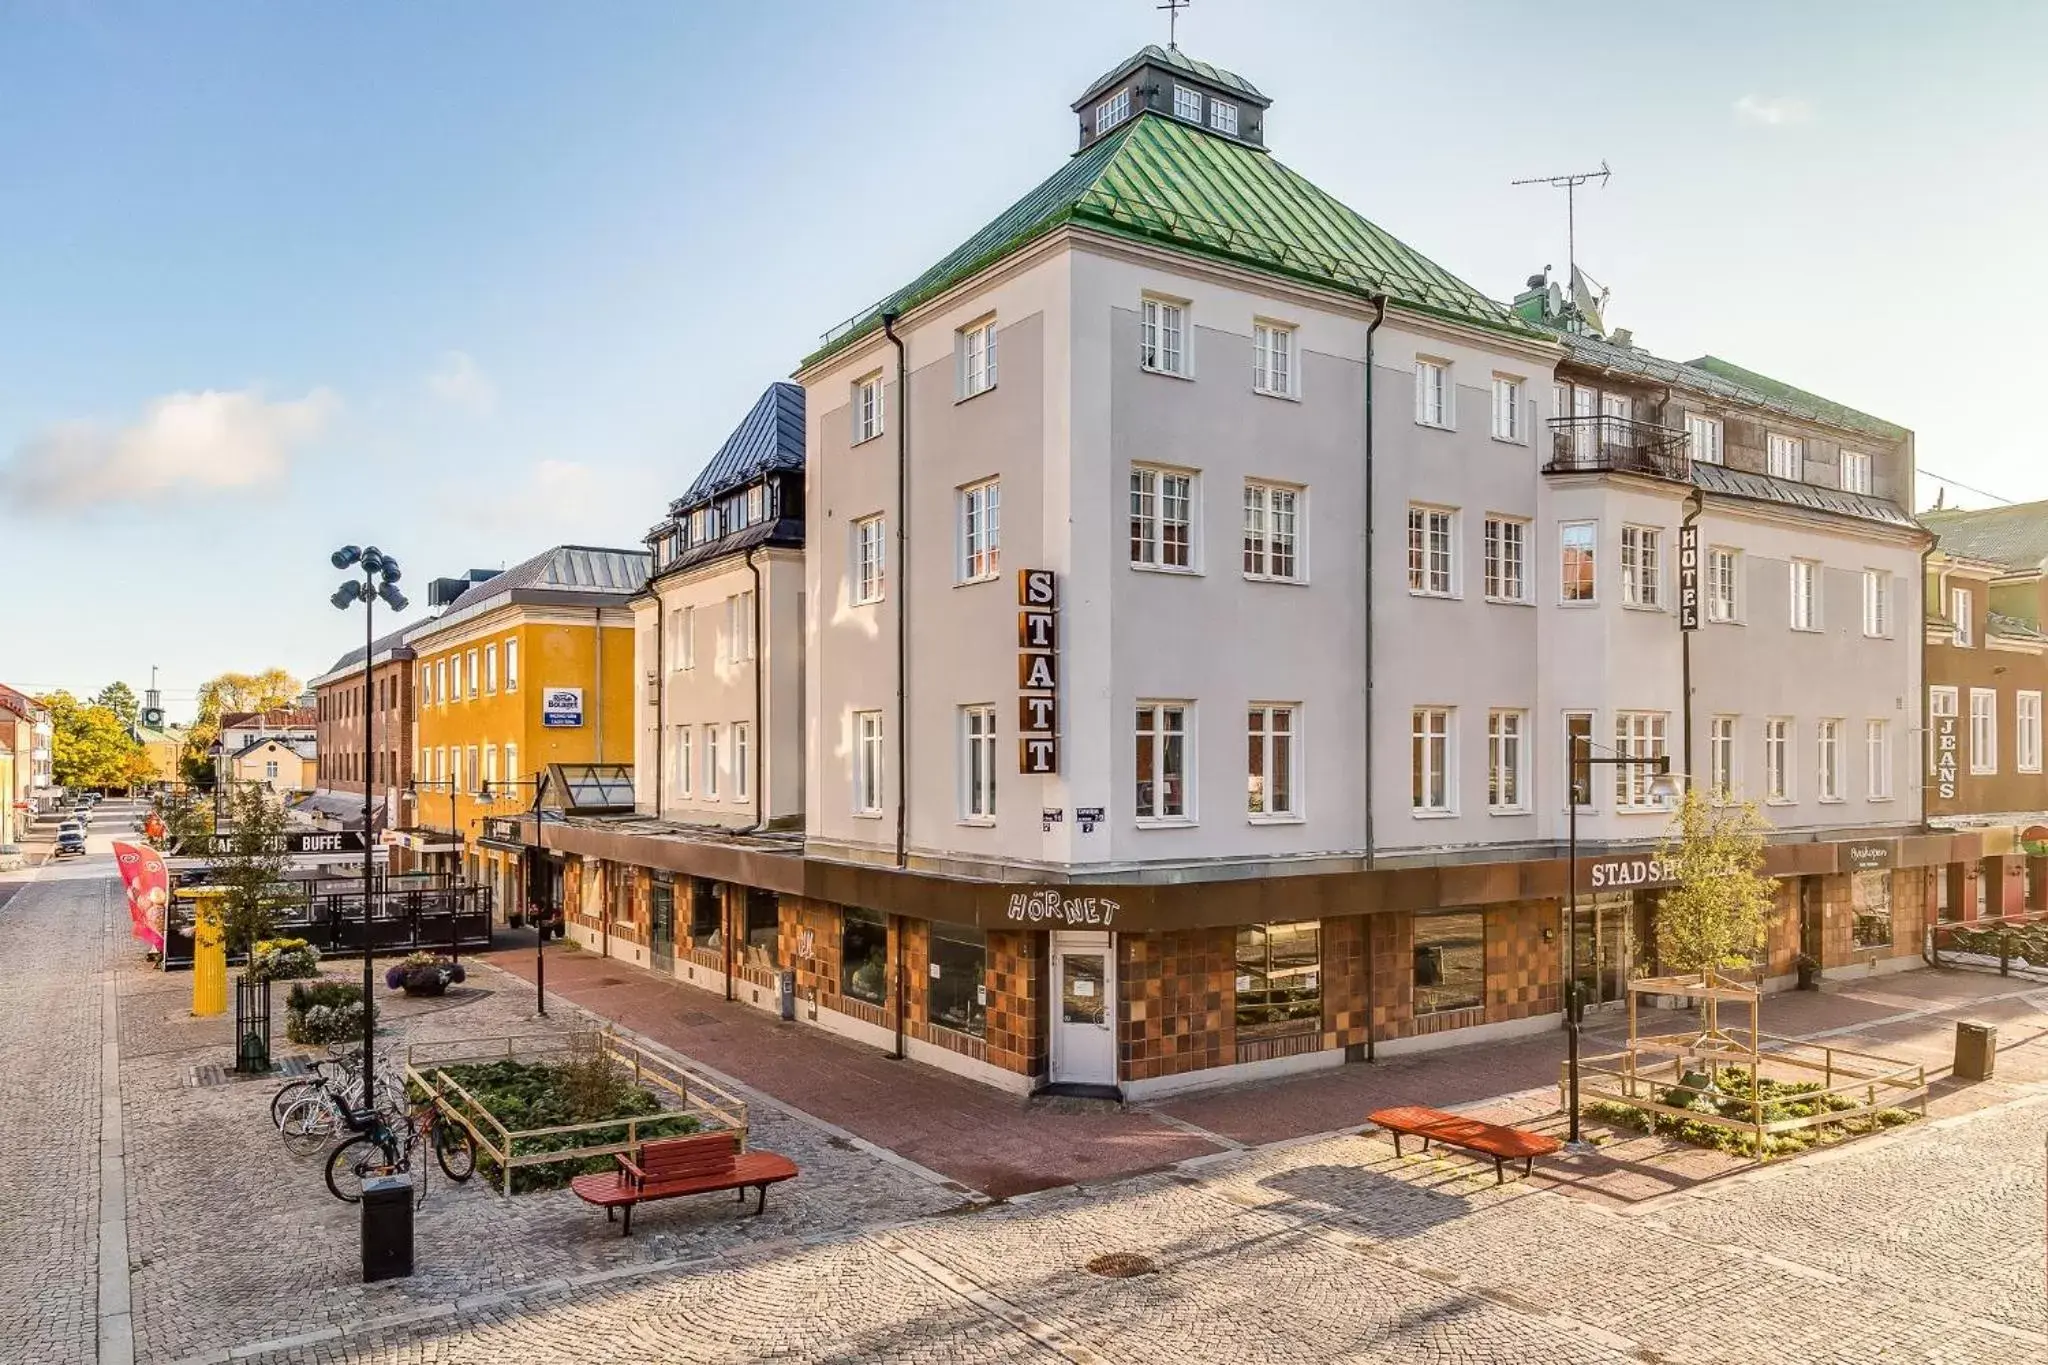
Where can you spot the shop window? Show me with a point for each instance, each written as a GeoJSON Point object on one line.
{"type": "Point", "coordinates": [1944, 898]}
{"type": "Point", "coordinates": [1279, 976]}
{"type": "Point", "coordinates": [1450, 962]}
{"type": "Point", "coordinates": [704, 917]}
{"type": "Point", "coordinates": [959, 988]}
{"type": "Point", "coordinates": [864, 956]}
{"type": "Point", "coordinates": [764, 929]}
{"type": "Point", "coordinates": [1871, 898]}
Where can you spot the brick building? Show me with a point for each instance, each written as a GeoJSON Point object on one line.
{"type": "Point", "coordinates": [341, 709]}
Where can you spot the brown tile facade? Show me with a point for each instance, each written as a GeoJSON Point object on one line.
{"type": "Point", "coordinates": [1019, 966]}
{"type": "Point", "coordinates": [1179, 1002]}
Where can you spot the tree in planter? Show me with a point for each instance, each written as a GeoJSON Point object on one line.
{"type": "Point", "coordinates": [251, 870]}
{"type": "Point", "coordinates": [1714, 918]}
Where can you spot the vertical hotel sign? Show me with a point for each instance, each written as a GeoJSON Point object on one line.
{"type": "Point", "coordinates": [1038, 672]}
{"type": "Point", "coordinates": [1688, 577]}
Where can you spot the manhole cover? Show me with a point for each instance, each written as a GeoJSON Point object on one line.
{"type": "Point", "coordinates": [1121, 1265]}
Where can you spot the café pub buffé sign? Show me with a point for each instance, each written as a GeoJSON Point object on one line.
{"type": "Point", "coordinates": [1038, 672]}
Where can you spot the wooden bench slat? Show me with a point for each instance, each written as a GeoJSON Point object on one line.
{"type": "Point", "coordinates": [1498, 1141]}
{"type": "Point", "coordinates": [703, 1163]}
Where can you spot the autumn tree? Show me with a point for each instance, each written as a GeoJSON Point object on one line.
{"type": "Point", "coordinates": [225, 695]}
{"type": "Point", "coordinates": [1715, 916]}
{"type": "Point", "coordinates": [119, 698]}
{"type": "Point", "coordinates": [90, 746]}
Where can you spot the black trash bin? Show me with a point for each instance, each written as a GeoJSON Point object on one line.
{"type": "Point", "coordinates": [387, 1227]}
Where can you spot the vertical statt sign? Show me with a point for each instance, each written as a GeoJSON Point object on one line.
{"type": "Point", "coordinates": [1038, 672]}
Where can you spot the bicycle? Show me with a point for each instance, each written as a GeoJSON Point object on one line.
{"type": "Point", "coordinates": [384, 1143]}
{"type": "Point", "coordinates": [323, 1109]}
{"type": "Point", "coordinates": [337, 1068]}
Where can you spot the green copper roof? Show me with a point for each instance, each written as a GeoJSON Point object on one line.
{"type": "Point", "coordinates": [1166, 181]}
{"type": "Point", "coordinates": [2015, 536]}
{"type": "Point", "coordinates": [1799, 400]}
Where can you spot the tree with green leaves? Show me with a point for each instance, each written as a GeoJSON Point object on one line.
{"type": "Point", "coordinates": [119, 698]}
{"type": "Point", "coordinates": [90, 746]}
{"type": "Point", "coordinates": [188, 820]}
{"type": "Point", "coordinates": [1715, 917]}
{"type": "Point", "coordinates": [251, 868]}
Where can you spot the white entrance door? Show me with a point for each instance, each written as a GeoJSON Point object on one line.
{"type": "Point", "coordinates": [1083, 1008]}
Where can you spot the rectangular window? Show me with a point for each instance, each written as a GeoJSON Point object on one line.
{"type": "Point", "coordinates": [1855, 472]}
{"type": "Point", "coordinates": [512, 663]}
{"type": "Point", "coordinates": [1187, 103]}
{"type": "Point", "coordinates": [1778, 760]}
{"type": "Point", "coordinates": [441, 686]}
{"type": "Point", "coordinates": [1577, 560]}
{"type": "Point", "coordinates": [1162, 760]}
{"type": "Point", "coordinates": [1642, 568]}
{"type": "Point", "coordinates": [672, 643]}
{"type": "Point", "coordinates": [1805, 581]}
{"type": "Point", "coordinates": [757, 504]}
{"type": "Point", "coordinates": [742, 762]}
{"type": "Point", "coordinates": [1960, 604]}
{"type": "Point", "coordinates": [1269, 763]}
{"type": "Point", "coordinates": [491, 669]}
{"type": "Point", "coordinates": [686, 638]}
{"type": "Point", "coordinates": [474, 772]}
{"type": "Point", "coordinates": [1279, 977]}
{"type": "Point", "coordinates": [2027, 732]}
{"type": "Point", "coordinates": [686, 767]}
{"type": "Point", "coordinates": [1507, 408]}
{"type": "Point", "coordinates": [1785, 456]}
{"type": "Point", "coordinates": [1435, 788]}
{"type": "Point", "coordinates": [1112, 111]}
{"type": "Point", "coordinates": [511, 765]}
{"type": "Point", "coordinates": [1162, 518]}
{"type": "Point", "coordinates": [1507, 559]}
{"type": "Point", "coordinates": [1431, 555]}
{"type": "Point", "coordinates": [1829, 755]}
{"type": "Point", "coordinates": [1637, 734]}
{"type": "Point", "coordinates": [1432, 393]}
{"type": "Point", "coordinates": [977, 350]}
{"type": "Point", "coordinates": [1941, 701]}
{"type": "Point", "coordinates": [1983, 730]}
{"type": "Point", "coordinates": [978, 763]}
{"type": "Point", "coordinates": [472, 673]}
{"type": "Point", "coordinates": [1506, 753]}
{"type": "Point", "coordinates": [1704, 435]}
{"type": "Point", "coordinates": [1877, 744]}
{"type": "Point", "coordinates": [1163, 337]}
{"type": "Point", "coordinates": [1721, 758]}
{"type": "Point", "coordinates": [958, 995]}
{"type": "Point", "coordinates": [864, 955]}
{"type": "Point", "coordinates": [867, 409]}
{"type": "Point", "coordinates": [868, 558]}
{"type": "Point", "coordinates": [1273, 359]}
{"type": "Point", "coordinates": [867, 762]}
{"type": "Point", "coordinates": [1271, 529]}
{"type": "Point", "coordinates": [1877, 603]}
{"type": "Point", "coordinates": [1223, 117]}
{"type": "Point", "coordinates": [1870, 896]}
{"type": "Point", "coordinates": [711, 764]}
{"type": "Point", "coordinates": [1450, 961]}
{"type": "Point", "coordinates": [1578, 747]}
{"type": "Point", "coordinates": [491, 778]}
{"type": "Point", "coordinates": [1722, 578]}
{"type": "Point", "coordinates": [981, 530]}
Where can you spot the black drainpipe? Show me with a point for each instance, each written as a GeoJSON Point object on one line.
{"type": "Point", "coordinates": [1695, 504]}
{"type": "Point", "coordinates": [1379, 315]}
{"type": "Point", "coordinates": [902, 593]}
{"type": "Point", "coordinates": [760, 736]}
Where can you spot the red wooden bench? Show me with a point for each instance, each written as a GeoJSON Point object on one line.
{"type": "Point", "coordinates": [699, 1164]}
{"type": "Point", "coordinates": [1454, 1130]}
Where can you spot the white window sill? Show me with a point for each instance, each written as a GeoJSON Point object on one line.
{"type": "Point", "coordinates": [1270, 578]}
{"type": "Point", "coordinates": [1831, 800]}
{"type": "Point", "coordinates": [1434, 426]}
{"type": "Point", "coordinates": [1805, 630]}
{"type": "Point", "coordinates": [1642, 810]}
{"type": "Point", "coordinates": [1277, 818]}
{"type": "Point", "coordinates": [1439, 596]}
{"type": "Point", "coordinates": [1166, 822]}
{"type": "Point", "coordinates": [1509, 810]}
{"type": "Point", "coordinates": [1724, 621]}
{"type": "Point", "coordinates": [858, 815]}
{"type": "Point", "coordinates": [970, 397]}
{"type": "Point", "coordinates": [1165, 374]}
{"type": "Point", "coordinates": [1780, 801]}
{"type": "Point", "coordinates": [1276, 393]}
{"type": "Point", "coordinates": [1643, 606]}
{"type": "Point", "coordinates": [1983, 772]}
{"type": "Point", "coordinates": [1880, 798]}
{"type": "Point", "coordinates": [1570, 604]}
{"type": "Point", "coordinates": [978, 821]}
{"type": "Point", "coordinates": [866, 602]}
{"type": "Point", "coordinates": [979, 578]}
{"type": "Point", "coordinates": [860, 441]}
{"type": "Point", "coordinates": [1183, 570]}
{"type": "Point", "coordinates": [1434, 814]}
{"type": "Point", "coordinates": [1509, 440]}
{"type": "Point", "coordinates": [1511, 601]}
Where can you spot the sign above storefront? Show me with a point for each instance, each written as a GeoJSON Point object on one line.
{"type": "Point", "coordinates": [1627, 873]}
{"type": "Point", "coordinates": [1037, 907]}
{"type": "Point", "coordinates": [561, 706]}
{"type": "Point", "coordinates": [350, 841]}
{"type": "Point", "coordinates": [1869, 857]}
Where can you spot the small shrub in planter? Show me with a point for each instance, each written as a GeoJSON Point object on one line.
{"type": "Point", "coordinates": [587, 1087]}
{"type": "Point", "coordinates": [283, 959]}
{"type": "Point", "coordinates": [424, 974]}
{"type": "Point", "coordinates": [324, 1012]}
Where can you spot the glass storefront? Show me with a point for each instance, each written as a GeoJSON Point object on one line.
{"type": "Point", "coordinates": [764, 929]}
{"type": "Point", "coordinates": [1279, 975]}
{"type": "Point", "coordinates": [704, 917]}
{"type": "Point", "coordinates": [864, 955]}
{"type": "Point", "coordinates": [958, 997]}
{"type": "Point", "coordinates": [1871, 898]}
{"type": "Point", "coordinates": [1450, 961]}
{"type": "Point", "coordinates": [1601, 942]}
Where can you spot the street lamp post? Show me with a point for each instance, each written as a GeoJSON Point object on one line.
{"type": "Point", "coordinates": [526, 864]}
{"type": "Point", "coordinates": [1663, 787]}
{"type": "Point", "coordinates": [412, 786]}
{"type": "Point", "coordinates": [379, 580]}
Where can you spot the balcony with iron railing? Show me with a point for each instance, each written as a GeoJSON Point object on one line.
{"type": "Point", "coordinates": [1611, 445]}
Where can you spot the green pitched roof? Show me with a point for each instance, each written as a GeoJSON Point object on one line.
{"type": "Point", "coordinates": [1162, 180]}
{"type": "Point", "coordinates": [2016, 537]}
{"type": "Point", "coordinates": [1799, 400]}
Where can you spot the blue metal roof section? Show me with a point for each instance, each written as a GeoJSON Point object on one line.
{"type": "Point", "coordinates": [1738, 483]}
{"type": "Point", "coordinates": [768, 438]}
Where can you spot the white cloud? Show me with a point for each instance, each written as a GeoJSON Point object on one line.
{"type": "Point", "coordinates": [182, 443]}
{"type": "Point", "coordinates": [1772, 111]}
{"type": "Point", "coordinates": [461, 381]}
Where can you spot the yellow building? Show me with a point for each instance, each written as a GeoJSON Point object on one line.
{"type": "Point", "coordinates": [523, 669]}
{"type": "Point", "coordinates": [285, 766]}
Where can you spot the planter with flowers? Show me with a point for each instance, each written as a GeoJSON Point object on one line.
{"type": "Point", "coordinates": [424, 974]}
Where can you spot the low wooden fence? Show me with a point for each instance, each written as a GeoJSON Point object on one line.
{"type": "Point", "coordinates": [691, 1094]}
{"type": "Point", "coordinates": [2014, 946]}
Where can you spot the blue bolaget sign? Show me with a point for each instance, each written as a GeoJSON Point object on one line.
{"type": "Point", "coordinates": [561, 706]}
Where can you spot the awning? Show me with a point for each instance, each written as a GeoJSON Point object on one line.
{"type": "Point", "coordinates": [422, 840]}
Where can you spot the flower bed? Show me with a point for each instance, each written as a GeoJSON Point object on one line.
{"type": "Point", "coordinates": [1730, 1099]}
{"type": "Point", "coordinates": [584, 1089]}
{"type": "Point", "coordinates": [324, 1012]}
{"type": "Point", "coordinates": [283, 959]}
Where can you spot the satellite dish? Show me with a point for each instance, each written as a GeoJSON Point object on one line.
{"type": "Point", "coordinates": [153, 717]}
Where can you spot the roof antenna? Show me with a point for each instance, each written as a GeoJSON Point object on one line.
{"type": "Point", "coordinates": [1173, 9]}
{"type": "Point", "coordinates": [1571, 185]}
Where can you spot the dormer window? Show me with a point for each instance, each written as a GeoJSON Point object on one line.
{"type": "Point", "coordinates": [1223, 117]}
{"type": "Point", "coordinates": [1187, 103]}
{"type": "Point", "coordinates": [1112, 111]}
{"type": "Point", "coordinates": [757, 504]}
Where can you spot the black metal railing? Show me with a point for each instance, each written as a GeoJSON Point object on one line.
{"type": "Point", "coordinates": [1598, 445]}
{"type": "Point", "coordinates": [252, 1025]}
{"type": "Point", "coordinates": [436, 915]}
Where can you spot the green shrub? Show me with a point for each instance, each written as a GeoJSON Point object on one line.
{"type": "Point", "coordinates": [587, 1087]}
{"type": "Point", "coordinates": [323, 1012]}
{"type": "Point", "coordinates": [1730, 1098]}
{"type": "Point", "coordinates": [283, 959]}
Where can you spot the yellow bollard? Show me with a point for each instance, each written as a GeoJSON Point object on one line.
{"type": "Point", "coordinates": [209, 957]}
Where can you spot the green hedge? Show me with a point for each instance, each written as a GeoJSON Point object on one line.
{"type": "Point", "coordinates": [526, 1095]}
{"type": "Point", "coordinates": [1730, 1099]}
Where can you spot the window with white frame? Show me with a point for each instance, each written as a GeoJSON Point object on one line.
{"type": "Point", "coordinates": [1112, 111]}
{"type": "Point", "coordinates": [867, 762]}
{"type": "Point", "coordinates": [1877, 749]}
{"type": "Point", "coordinates": [1578, 746]}
{"type": "Point", "coordinates": [1162, 518]}
{"type": "Point", "coordinates": [1960, 606]}
{"type": "Point", "coordinates": [1271, 531]}
{"type": "Point", "coordinates": [1723, 576]}
{"type": "Point", "coordinates": [742, 761]}
{"type": "Point", "coordinates": [1642, 568]}
{"type": "Point", "coordinates": [1705, 437]}
{"type": "Point", "coordinates": [981, 531]}
{"type": "Point", "coordinates": [491, 778]}
{"type": "Point", "coordinates": [1432, 393]}
{"type": "Point", "coordinates": [870, 539]}
{"type": "Point", "coordinates": [978, 763]}
{"type": "Point", "coordinates": [1941, 702]}
{"type": "Point", "coordinates": [1828, 755]}
{"type": "Point", "coordinates": [1162, 336]}
{"type": "Point", "coordinates": [1507, 753]}
{"type": "Point", "coordinates": [686, 770]}
{"type": "Point", "coordinates": [1639, 735]}
{"type": "Point", "coordinates": [976, 348]}
{"type": "Point", "coordinates": [1506, 559]}
{"type": "Point", "coordinates": [1435, 784]}
{"type": "Point", "coordinates": [1577, 561]}
{"type": "Point", "coordinates": [473, 674]}
{"type": "Point", "coordinates": [1187, 102]}
{"type": "Point", "coordinates": [1223, 116]}
{"type": "Point", "coordinates": [1785, 456]}
{"type": "Point", "coordinates": [512, 663]}
{"type": "Point", "coordinates": [1273, 367]}
{"type": "Point", "coordinates": [711, 763]}
{"type": "Point", "coordinates": [1855, 472]}
{"type": "Point", "coordinates": [867, 409]}
{"type": "Point", "coordinates": [1778, 759]}
{"type": "Point", "coordinates": [757, 504]}
{"type": "Point", "coordinates": [739, 626]}
{"type": "Point", "coordinates": [491, 669]}
{"type": "Point", "coordinates": [1721, 758]}
{"type": "Point", "coordinates": [475, 771]}
{"type": "Point", "coordinates": [1270, 737]}
{"type": "Point", "coordinates": [1877, 603]}
{"type": "Point", "coordinates": [1163, 757]}
{"type": "Point", "coordinates": [1805, 581]}
{"type": "Point", "coordinates": [1983, 731]}
{"type": "Point", "coordinates": [2027, 732]}
{"type": "Point", "coordinates": [1507, 408]}
{"type": "Point", "coordinates": [1432, 553]}
{"type": "Point", "coordinates": [511, 766]}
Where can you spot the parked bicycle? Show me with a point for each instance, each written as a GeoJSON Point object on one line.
{"type": "Point", "coordinates": [384, 1143]}
{"type": "Point", "coordinates": [316, 1110]}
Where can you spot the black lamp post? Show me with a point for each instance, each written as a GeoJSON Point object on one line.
{"type": "Point", "coordinates": [1663, 787]}
{"type": "Point", "coordinates": [412, 790]}
{"type": "Point", "coordinates": [526, 866]}
{"type": "Point", "coordinates": [379, 580]}
{"type": "Point", "coordinates": [214, 752]}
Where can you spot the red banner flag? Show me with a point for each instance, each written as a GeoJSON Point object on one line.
{"type": "Point", "coordinates": [149, 890]}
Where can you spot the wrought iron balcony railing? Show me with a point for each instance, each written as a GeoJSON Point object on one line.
{"type": "Point", "coordinates": [1596, 445]}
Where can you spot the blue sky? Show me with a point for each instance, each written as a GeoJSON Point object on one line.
{"type": "Point", "coordinates": [468, 279]}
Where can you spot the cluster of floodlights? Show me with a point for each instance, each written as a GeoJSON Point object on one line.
{"type": "Point", "coordinates": [375, 565]}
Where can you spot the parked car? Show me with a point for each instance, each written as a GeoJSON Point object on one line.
{"type": "Point", "coordinates": [70, 840]}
